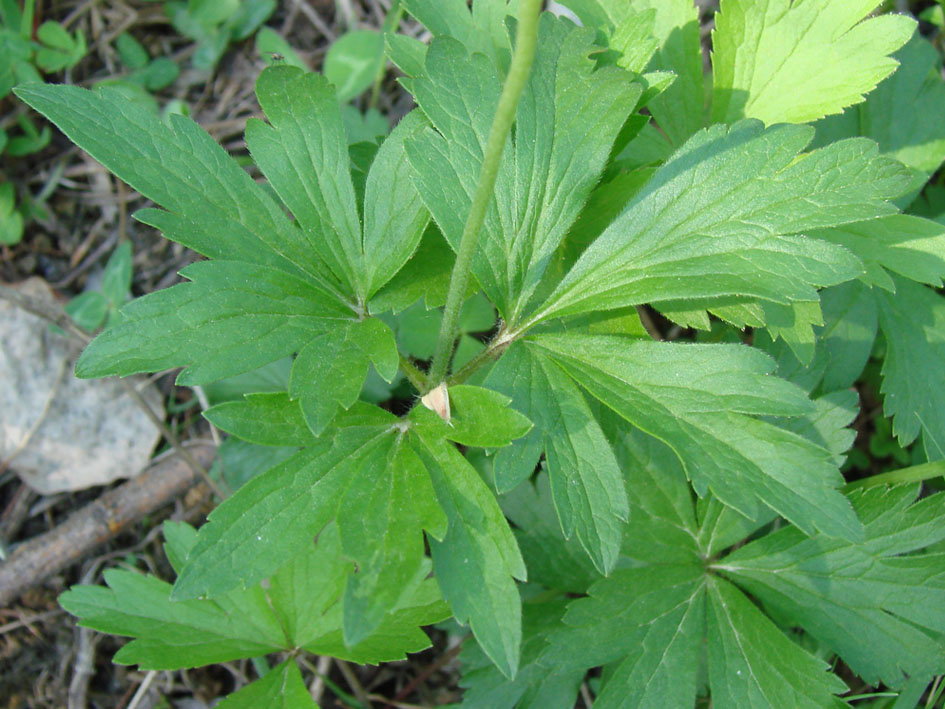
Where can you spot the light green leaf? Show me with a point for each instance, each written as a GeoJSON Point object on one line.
{"type": "Point", "coordinates": [585, 482]}
{"type": "Point", "coordinates": [88, 310]}
{"type": "Point", "coordinates": [678, 110]}
{"type": "Point", "coordinates": [483, 30]}
{"type": "Point", "coordinates": [827, 426]}
{"type": "Point", "coordinates": [633, 39]}
{"type": "Point", "coordinates": [913, 321]}
{"type": "Point", "coordinates": [214, 206]}
{"type": "Point", "coordinates": [902, 113]}
{"type": "Point", "coordinates": [269, 43]}
{"type": "Point", "coordinates": [880, 610]}
{"type": "Point", "coordinates": [352, 62]}
{"type": "Point", "coordinates": [394, 214]}
{"type": "Point", "coordinates": [342, 355]}
{"type": "Point", "coordinates": [232, 318]}
{"type": "Point", "coordinates": [720, 218]}
{"type": "Point", "coordinates": [910, 246]}
{"type": "Point", "coordinates": [850, 315]}
{"type": "Point", "coordinates": [791, 61]}
{"type": "Point", "coordinates": [477, 560]}
{"type": "Point", "coordinates": [304, 154]}
{"type": "Point", "coordinates": [562, 139]}
{"type": "Point", "coordinates": [795, 324]}
{"type": "Point", "coordinates": [11, 220]}
{"type": "Point", "coordinates": [281, 688]}
{"type": "Point", "coordinates": [700, 400]}
{"type": "Point", "coordinates": [844, 342]}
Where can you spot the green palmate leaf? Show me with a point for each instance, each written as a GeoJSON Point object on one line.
{"type": "Point", "coordinates": [304, 154]}
{"type": "Point", "coordinates": [700, 399]}
{"type": "Point", "coordinates": [482, 30]}
{"type": "Point", "coordinates": [394, 214]}
{"type": "Point", "coordinates": [281, 688]}
{"type": "Point", "coordinates": [379, 531]}
{"type": "Point", "coordinates": [799, 60]}
{"type": "Point", "coordinates": [844, 343]}
{"type": "Point", "coordinates": [298, 608]}
{"type": "Point", "coordinates": [902, 113]}
{"type": "Point", "coordinates": [233, 317]}
{"type": "Point", "coordinates": [562, 138]}
{"type": "Point", "coordinates": [910, 246]}
{"type": "Point", "coordinates": [361, 474]}
{"type": "Point", "coordinates": [253, 532]}
{"type": "Point", "coordinates": [214, 207]}
{"type": "Point", "coordinates": [341, 355]}
{"type": "Point", "coordinates": [307, 131]}
{"type": "Point", "coordinates": [879, 610]}
{"type": "Point", "coordinates": [535, 686]}
{"type": "Point", "coordinates": [674, 29]}
{"type": "Point", "coordinates": [477, 560]}
{"type": "Point", "coordinates": [913, 321]}
{"type": "Point", "coordinates": [719, 219]}
{"type": "Point", "coordinates": [585, 481]}
{"type": "Point", "coordinates": [653, 621]}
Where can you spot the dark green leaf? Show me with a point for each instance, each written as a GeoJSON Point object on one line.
{"type": "Point", "coordinates": [700, 399]}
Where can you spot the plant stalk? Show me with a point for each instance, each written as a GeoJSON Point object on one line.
{"type": "Point", "coordinates": [391, 23]}
{"type": "Point", "coordinates": [526, 39]}
{"type": "Point", "coordinates": [912, 474]}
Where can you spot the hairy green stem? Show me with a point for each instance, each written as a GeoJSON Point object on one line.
{"type": "Point", "coordinates": [526, 39]}
{"type": "Point", "coordinates": [413, 374]}
{"type": "Point", "coordinates": [493, 350]}
{"type": "Point", "coordinates": [913, 474]}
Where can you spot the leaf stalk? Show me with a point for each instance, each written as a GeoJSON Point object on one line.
{"type": "Point", "coordinates": [526, 39]}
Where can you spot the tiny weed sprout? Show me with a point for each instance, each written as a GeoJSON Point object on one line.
{"type": "Point", "coordinates": [569, 357]}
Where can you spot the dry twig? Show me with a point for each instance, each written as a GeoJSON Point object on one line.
{"type": "Point", "coordinates": [38, 559]}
